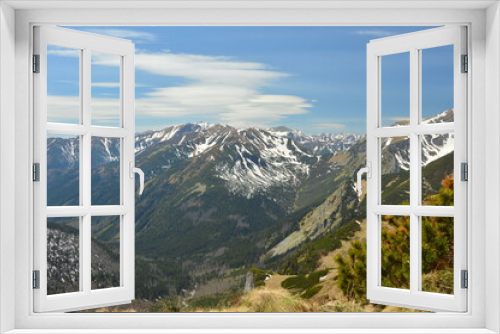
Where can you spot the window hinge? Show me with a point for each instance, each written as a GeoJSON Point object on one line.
{"type": "Point", "coordinates": [36, 63]}
{"type": "Point", "coordinates": [36, 172]}
{"type": "Point", "coordinates": [465, 279]}
{"type": "Point", "coordinates": [464, 167]}
{"type": "Point", "coordinates": [465, 64]}
{"type": "Point", "coordinates": [36, 279]}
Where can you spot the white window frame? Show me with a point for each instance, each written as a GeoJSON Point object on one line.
{"type": "Point", "coordinates": [484, 50]}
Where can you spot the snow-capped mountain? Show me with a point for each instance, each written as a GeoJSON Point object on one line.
{"type": "Point", "coordinates": [64, 153]}
{"type": "Point", "coordinates": [182, 134]}
{"type": "Point", "coordinates": [249, 160]}
{"type": "Point", "coordinates": [396, 154]}
{"type": "Point", "coordinates": [322, 143]}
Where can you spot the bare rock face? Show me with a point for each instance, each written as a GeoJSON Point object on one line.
{"type": "Point", "coordinates": [249, 282]}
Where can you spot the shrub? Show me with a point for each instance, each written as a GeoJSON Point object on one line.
{"type": "Point", "coordinates": [311, 292]}
{"type": "Point", "coordinates": [437, 252]}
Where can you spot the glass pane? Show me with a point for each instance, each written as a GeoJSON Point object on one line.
{"type": "Point", "coordinates": [395, 252]}
{"type": "Point", "coordinates": [395, 89]}
{"type": "Point", "coordinates": [437, 84]}
{"type": "Point", "coordinates": [105, 103]}
{"type": "Point", "coordinates": [395, 169]}
{"type": "Point", "coordinates": [105, 171]}
{"type": "Point", "coordinates": [105, 252]}
{"type": "Point", "coordinates": [63, 255]}
{"type": "Point", "coordinates": [63, 84]}
{"type": "Point", "coordinates": [63, 170]}
{"type": "Point", "coordinates": [437, 254]}
{"type": "Point", "coordinates": [437, 169]}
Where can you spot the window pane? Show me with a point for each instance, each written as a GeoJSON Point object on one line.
{"type": "Point", "coordinates": [105, 252]}
{"type": "Point", "coordinates": [63, 255]}
{"type": "Point", "coordinates": [63, 170]}
{"type": "Point", "coordinates": [437, 169]}
{"type": "Point", "coordinates": [395, 169]}
{"type": "Point", "coordinates": [105, 102]}
{"type": "Point", "coordinates": [396, 252]}
{"type": "Point", "coordinates": [437, 254]}
{"type": "Point", "coordinates": [437, 84]}
{"type": "Point", "coordinates": [395, 90]}
{"type": "Point", "coordinates": [105, 171]}
{"type": "Point", "coordinates": [63, 85]}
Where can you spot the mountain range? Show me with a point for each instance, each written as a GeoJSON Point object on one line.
{"type": "Point", "coordinates": [218, 198]}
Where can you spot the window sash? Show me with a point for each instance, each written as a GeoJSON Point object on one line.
{"type": "Point", "coordinates": [85, 298]}
{"type": "Point", "coordinates": [413, 43]}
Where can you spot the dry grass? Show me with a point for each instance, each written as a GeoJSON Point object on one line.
{"type": "Point", "coordinates": [268, 301]}
{"type": "Point", "coordinates": [271, 300]}
{"type": "Point", "coordinates": [136, 306]}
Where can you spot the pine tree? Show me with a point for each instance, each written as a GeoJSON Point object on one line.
{"type": "Point", "coordinates": [351, 277]}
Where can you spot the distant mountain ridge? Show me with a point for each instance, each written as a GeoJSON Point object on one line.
{"type": "Point", "coordinates": [261, 158]}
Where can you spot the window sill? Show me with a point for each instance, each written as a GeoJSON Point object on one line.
{"type": "Point", "coordinates": [251, 331]}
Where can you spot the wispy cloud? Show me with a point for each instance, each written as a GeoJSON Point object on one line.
{"type": "Point", "coordinates": [374, 32]}
{"type": "Point", "coordinates": [202, 69]}
{"type": "Point", "coordinates": [106, 84]}
{"type": "Point", "coordinates": [73, 82]}
{"type": "Point", "coordinates": [135, 35]}
{"type": "Point", "coordinates": [65, 109]}
{"type": "Point", "coordinates": [219, 88]}
{"type": "Point", "coordinates": [58, 51]}
{"type": "Point", "coordinates": [109, 84]}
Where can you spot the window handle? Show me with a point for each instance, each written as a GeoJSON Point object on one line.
{"type": "Point", "coordinates": [368, 171]}
{"type": "Point", "coordinates": [139, 171]}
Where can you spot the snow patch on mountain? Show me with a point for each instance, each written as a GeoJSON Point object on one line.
{"type": "Point", "coordinates": [436, 146]}
{"type": "Point", "coordinates": [395, 151]}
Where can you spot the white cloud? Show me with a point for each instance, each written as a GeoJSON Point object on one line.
{"type": "Point", "coordinates": [206, 69]}
{"type": "Point", "coordinates": [109, 84]}
{"type": "Point", "coordinates": [232, 105]}
{"type": "Point", "coordinates": [374, 32]}
{"type": "Point", "coordinates": [62, 52]}
{"type": "Point", "coordinates": [135, 35]}
{"type": "Point", "coordinates": [66, 109]}
{"type": "Point", "coordinates": [63, 109]}
{"type": "Point", "coordinates": [220, 88]}
{"type": "Point", "coordinates": [106, 84]}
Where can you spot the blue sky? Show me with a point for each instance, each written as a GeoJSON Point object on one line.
{"type": "Point", "coordinates": [307, 78]}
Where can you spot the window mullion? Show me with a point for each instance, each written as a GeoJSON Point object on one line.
{"type": "Point", "coordinates": [414, 171]}
{"type": "Point", "coordinates": [81, 270]}
{"type": "Point", "coordinates": [86, 167]}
